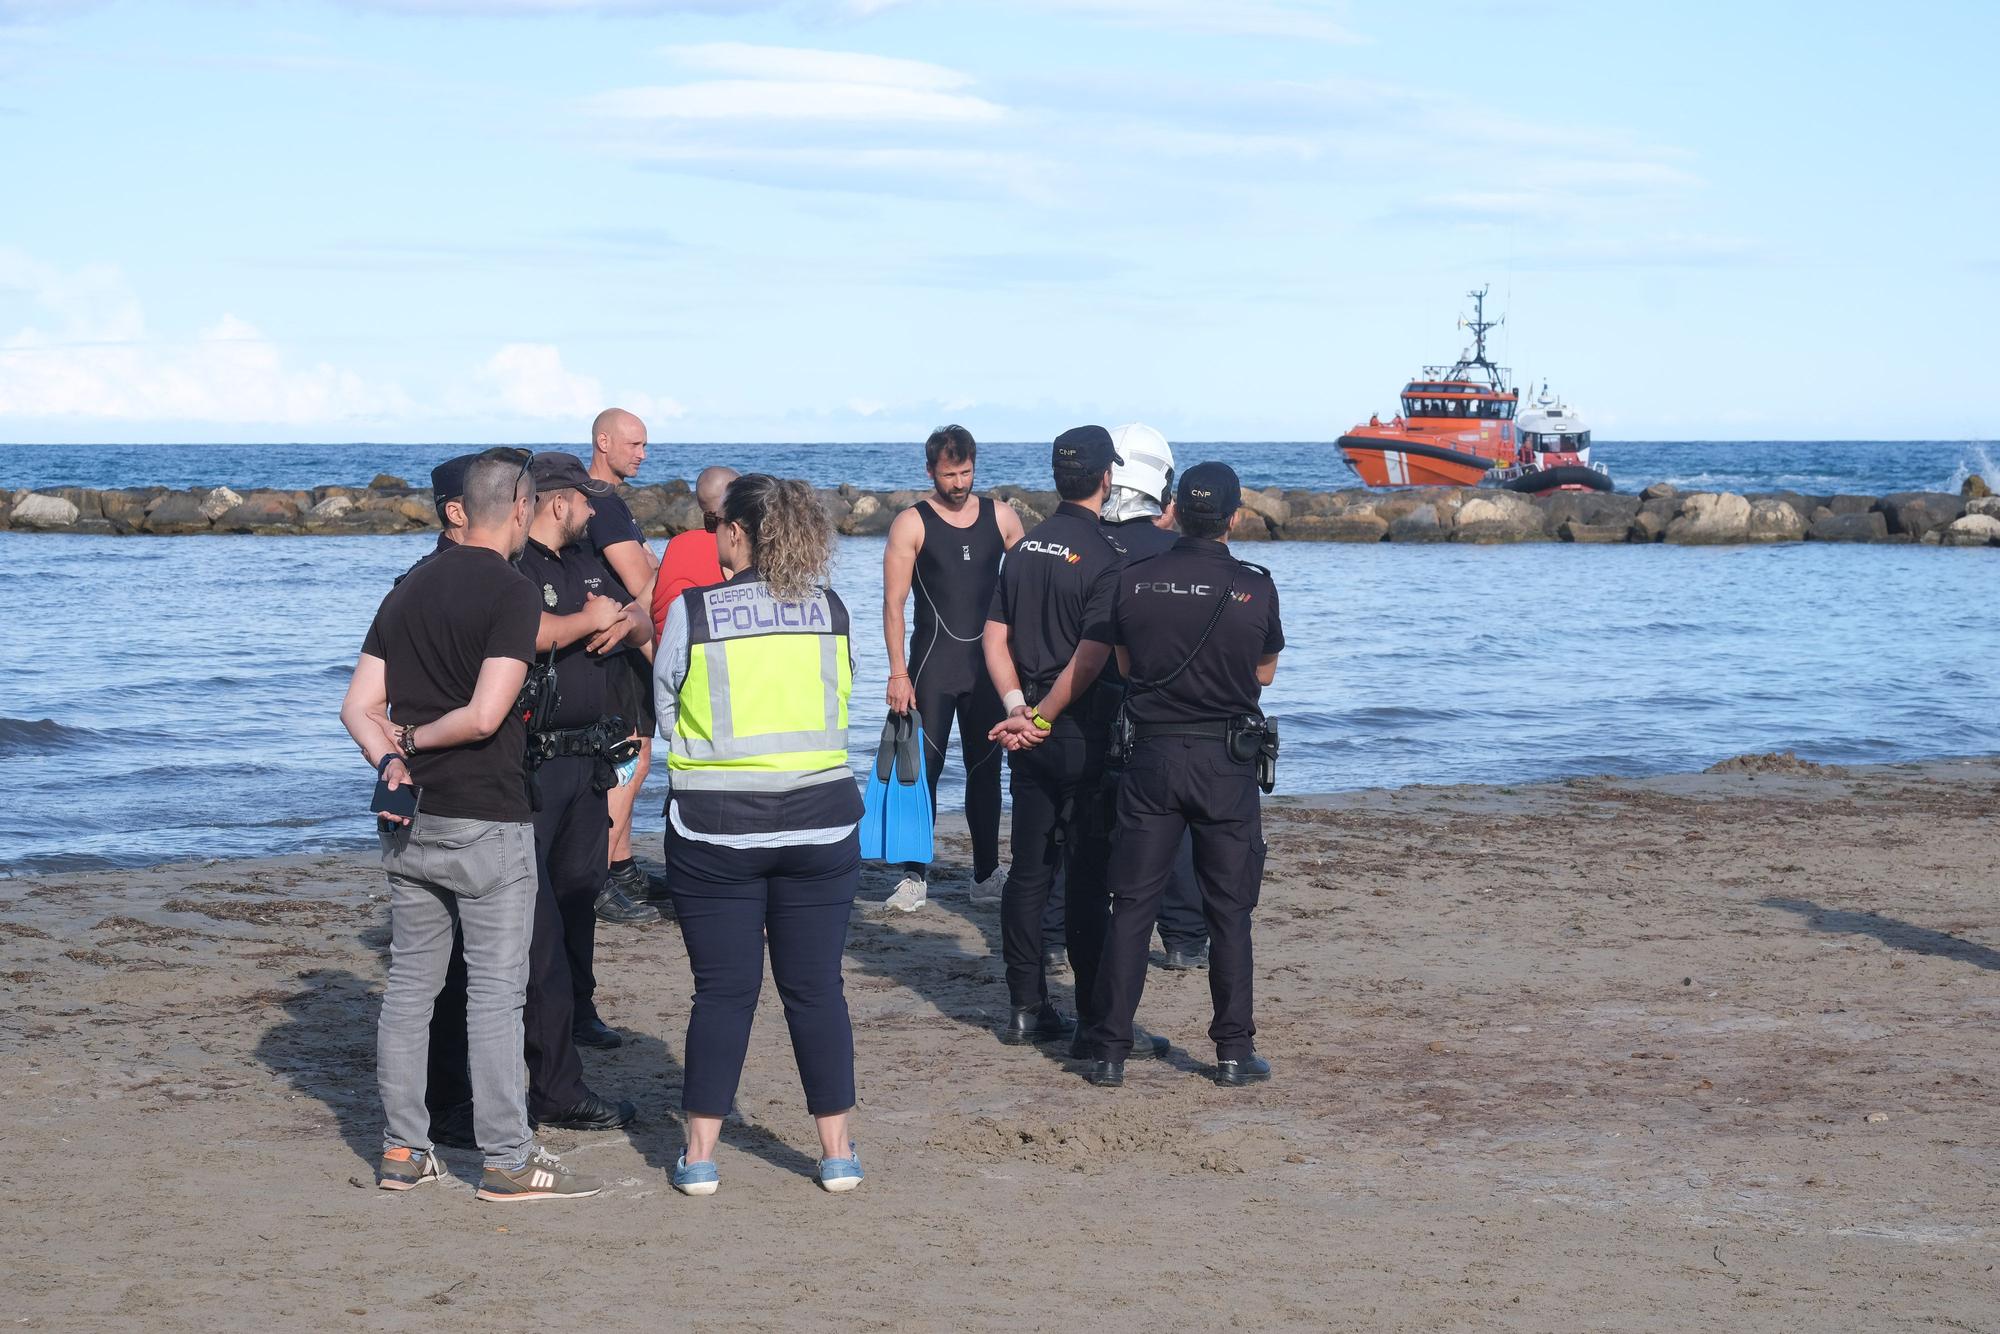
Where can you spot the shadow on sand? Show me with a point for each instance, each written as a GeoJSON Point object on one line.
{"type": "Point", "coordinates": [1890, 931]}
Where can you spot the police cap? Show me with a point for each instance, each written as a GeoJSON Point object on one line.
{"type": "Point", "coordinates": [448, 481]}
{"type": "Point", "coordinates": [554, 470]}
{"type": "Point", "coordinates": [1209, 489]}
{"type": "Point", "coordinates": [1084, 450]}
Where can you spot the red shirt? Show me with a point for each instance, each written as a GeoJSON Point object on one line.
{"type": "Point", "coordinates": [689, 562]}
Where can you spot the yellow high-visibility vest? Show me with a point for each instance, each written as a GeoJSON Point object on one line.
{"type": "Point", "coordinates": [760, 734]}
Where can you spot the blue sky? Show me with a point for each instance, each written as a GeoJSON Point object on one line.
{"type": "Point", "coordinates": [469, 220]}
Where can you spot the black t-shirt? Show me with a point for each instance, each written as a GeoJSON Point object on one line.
{"type": "Point", "coordinates": [611, 522]}
{"type": "Point", "coordinates": [436, 628]}
{"type": "Point", "coordinates": [562, 580]}
{"type": "Point", "coordinates": [1163, 605]}
{"type": "Point", "coordinates": [443, 544]}
{"type": "Point", "coordinates": [1055, 589]}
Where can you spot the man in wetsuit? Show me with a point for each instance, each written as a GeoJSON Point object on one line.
{"type": "Point", "coordinates": [1139, 513]}
{"type": "Point", "coordinates": [946, 549]}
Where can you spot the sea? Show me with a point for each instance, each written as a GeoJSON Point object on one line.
{"type": "Point", "coordinates": [177, 698]}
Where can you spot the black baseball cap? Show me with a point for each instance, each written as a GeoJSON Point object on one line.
{"type": "Point", "coordinates": [1210, 490]}
{"type": "Point", "coordinates": [555, 470]}
{"type": "Point", "coordinates": [1084, 449]}
{"type": "Point", "coordinates": [448, 481]}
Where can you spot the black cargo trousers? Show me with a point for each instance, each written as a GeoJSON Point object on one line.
{"type": "Point", "coordinates": [1061, 826]}
{"type": "Point", "coordinates": [1178, 785]}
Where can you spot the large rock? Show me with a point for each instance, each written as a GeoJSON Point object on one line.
{"type": "Point", "coordinates": [1574, 530]}
{"type": "Point", "coordinates": [176, 512]}
{"type": "Point", "coordinates": [126, 507]}
{"type": "Point", "coordinates": [1270, 503]}
{"type": "Point", "coordinates": [1660, 491]}
{"type": "Point", "coordinates": [261, 512]}
{"type": "Point", "coordinates": [682, 514]}
{"type": "Point", "coordinates": [1594, 508]}
{"type": "Point", "coordinates": [1499, 516]}
{"type": "Point", "coordinates": [44, 513]}
{"type": "Point", "coordinates": [1974, 488]}
{"type": "Point", "coordinates": [1247, 525]}
{"type": "Point", "coordinates": [1418, 524]}
{"type": "Point", "coordinates": [383, 481]}
{"type": "Point", "coordinates": [1984, 505]}
{"type": "Point", "coordinates": [1917, 512]}
{"type": "Point", "coordinates": [6, 510]}
{"type": "Point", "coordinates": [1710, 518]}
{"type": "Point", "coordinates": [218, 503]}
{"type": "Point", "coordinates": [86, 499]}
{"type": "Point", "coordinates": [649, 509]}
{"type": "Point", "coordinates": [328, 511]}
{"type": "Point", "coordinates": [1773, 520]}
{"type": "Point", "coordinates": [869, 518]}
{"type": "Point", "coordinates": [1648, 525]}
{"type": "Point", "coordinates": [1360, 525]}
{"type": "Point", "coordinates": [1973, 530]}
{"type": "Point", "coordinates": [1830, 527]}
{"type": "Point", "coordinates": [1849, 504]}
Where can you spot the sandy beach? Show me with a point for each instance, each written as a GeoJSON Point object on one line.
{"type": "Point", "coordinates": [1598, 1054]}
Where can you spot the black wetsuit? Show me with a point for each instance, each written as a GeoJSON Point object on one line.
{"type": "Point", "coordinates": [956, 572]}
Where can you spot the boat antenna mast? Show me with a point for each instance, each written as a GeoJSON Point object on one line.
{"type": "Point", "coordinates": [1476, 358]}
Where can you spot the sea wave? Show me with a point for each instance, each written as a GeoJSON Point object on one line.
{"type": "Point", "coordinates": [43, 736]}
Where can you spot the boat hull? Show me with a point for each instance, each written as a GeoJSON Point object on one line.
{"type": "Point", "coordinates": [1565, 477]}
{"type": "Point", "coordinates": [1410, 460]}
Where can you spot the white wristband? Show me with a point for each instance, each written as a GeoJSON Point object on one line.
{"type": "Point", "coordinates": [1014, 699]}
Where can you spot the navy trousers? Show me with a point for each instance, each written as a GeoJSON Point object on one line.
{"type": "Point", "coordinates": [732, 904]}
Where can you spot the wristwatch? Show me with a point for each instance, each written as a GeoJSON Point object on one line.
{"type": "Point", "coordinates": [407, 738]}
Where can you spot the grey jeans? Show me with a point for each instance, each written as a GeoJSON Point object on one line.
{"type": "Point", "coordinates": [483, 874]}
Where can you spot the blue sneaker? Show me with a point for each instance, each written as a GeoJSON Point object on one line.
{"type": "Point", "coordinates": [839, 1174]}
{"type": "Point", "coordinates": [695, 1178]}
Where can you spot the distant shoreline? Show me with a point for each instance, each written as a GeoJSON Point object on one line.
{"type": "Point", "coordinates": [1660, 513]}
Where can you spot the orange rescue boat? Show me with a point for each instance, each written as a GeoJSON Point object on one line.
{"type": "Point", "coordinates": [1457, 423]}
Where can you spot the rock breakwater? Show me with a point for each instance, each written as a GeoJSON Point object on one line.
{"type": "Point", "coordinates": [1418, 514]}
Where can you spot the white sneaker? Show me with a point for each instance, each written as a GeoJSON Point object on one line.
{"type": "Point", "coordinates": [911, 894]}
{"type": "Point", "coordinates": [988, 890]}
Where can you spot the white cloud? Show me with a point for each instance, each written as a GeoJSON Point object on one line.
{"type": "Point", "coordinates": [1310, 20]}
{"type": "Point", "coordinates": [748, 61]}
{"type": "Point", "coordinates": [97, 361]}
{"type": "Point", "coordinates": [532, 382]}
{"type": "Point", "coordinates": [771, 84]}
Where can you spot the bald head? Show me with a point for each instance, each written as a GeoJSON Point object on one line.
{"type": "Point", "coordinates": [710, 486]}
{"type": "Point", "coordinates": [617, 445]}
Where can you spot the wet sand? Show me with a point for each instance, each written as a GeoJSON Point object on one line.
{"type": "Point", "coordinates": [1602, 1054]}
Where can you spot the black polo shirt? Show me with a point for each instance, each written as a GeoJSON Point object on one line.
{"type": "Point", "coordinates": [562, 580]}
{"type": "Point", "coordinates": [444, 544]}
{"type": "Point", "coordinates": [1162, 606]}
{"type": "Point", "coordinates": [1055, 589]}
{"type": "Point", "coordinates": [433, 632]}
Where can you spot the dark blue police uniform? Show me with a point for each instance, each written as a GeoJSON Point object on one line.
{"type": "Point", "coordinates": [1194, 622]}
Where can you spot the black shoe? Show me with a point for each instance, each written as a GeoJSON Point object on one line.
{"type": "Point", "coordinates": [1055, 961]}
{"type": "Point", "coordinates": [1105, 1074]}
{"type": "Point", "coordinates": [591, 1113]}
{"type": "Point", "coordinates": [1145, 1047]}
{"type": "Point", "coordinates": [1037, 1023]}
{"type": "Point", "coordinates": [1251, 1069]}
{"type": "Point", "coordinates": [638, 886]}
{"type": "Point", "coordinates": [1182, 960]}
{"type": "Point", "coordinates": [614, 907]}
{"type": "Point", "coordinates": [594, 1032]}
{"type": "Point", "coordinates": [453, 1127]}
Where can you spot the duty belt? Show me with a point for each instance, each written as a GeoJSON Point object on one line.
{"type": "Point", "coordinates": [1213, 730]}
{"type": "Point", "coordinates": [608, 741]}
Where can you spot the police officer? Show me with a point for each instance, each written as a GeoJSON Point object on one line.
{"type": "Point", "coordinates": [1140, 513]}
{"type": "Point", "coordinates": [1056, 583]}
{"type": "Point", "coordinates": [1197, 635]}
{"type": "Point", "coordinates": [570, 758]}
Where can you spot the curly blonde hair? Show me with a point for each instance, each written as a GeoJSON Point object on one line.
{"type": "Point", "coordinates": [791, 538]}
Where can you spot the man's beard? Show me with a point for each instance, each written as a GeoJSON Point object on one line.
{"type": "Point", "coordinates": [956, 495]}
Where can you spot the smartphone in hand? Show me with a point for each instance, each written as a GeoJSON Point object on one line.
{"type": "Point", "coordinates": [394, 807]}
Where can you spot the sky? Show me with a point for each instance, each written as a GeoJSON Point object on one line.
{"type": "Point", "coordinates": [852, 220]}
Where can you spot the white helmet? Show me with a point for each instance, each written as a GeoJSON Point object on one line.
{"type": "Point", "coordinates": [1148, 468]}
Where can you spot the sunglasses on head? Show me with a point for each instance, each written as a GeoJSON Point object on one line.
{"type": "Point", "coordinates": [512, 454]}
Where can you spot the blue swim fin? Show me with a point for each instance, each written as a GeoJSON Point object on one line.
{"type": "Point", "coordinates": [896, 804]}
